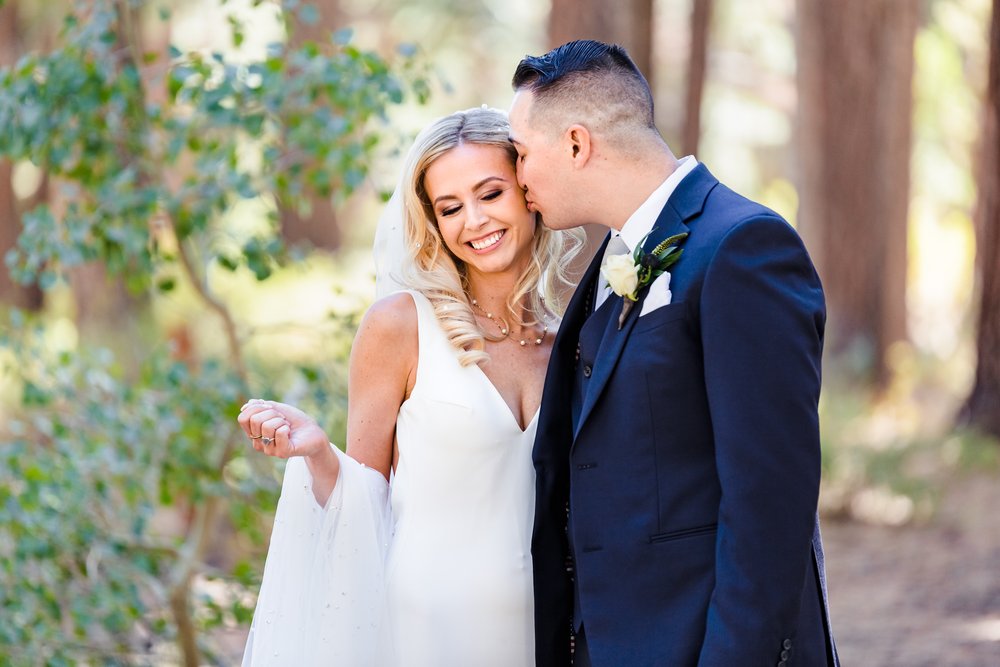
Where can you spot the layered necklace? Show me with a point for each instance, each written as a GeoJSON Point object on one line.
{"type": "Point", "coordinates": [501, 324]}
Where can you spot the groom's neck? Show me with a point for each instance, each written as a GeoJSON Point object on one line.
{"type": "Point", "coordinates": [629, 182]}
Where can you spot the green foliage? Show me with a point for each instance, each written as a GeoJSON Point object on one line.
{"type": "Point", "coordinates": [290, 126]}
{"type": "Point", "coordinates": [117, 479]}
{"type": "Point", "coordinates": [95, 459]}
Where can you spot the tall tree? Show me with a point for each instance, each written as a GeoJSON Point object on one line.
{"type": "Point", "coordinates": [701, 18]}
{"type": "Point", "coordinates": [629, 23]}
{"type": "Point", "coordinates": [981, 409]}
{"type": "Point", "coordinates": [855, 76]}
{"type": "Point", "coordinates": [10, 219]}
{"type": "Point", "coordinates": [104, 305]}
{"type": "Point", "coordinates": [85, 112]}
{"type": "Point", "coordinates": [312, 220]}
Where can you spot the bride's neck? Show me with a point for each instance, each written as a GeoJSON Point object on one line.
{"type": "Point", "coordinates": [492, 293]}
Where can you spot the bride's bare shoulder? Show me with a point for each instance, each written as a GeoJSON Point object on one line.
{"type": "Point", "coordinates": [393, 317]}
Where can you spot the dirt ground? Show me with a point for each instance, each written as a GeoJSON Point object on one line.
{"type": "Point", "coordinates": [923, 595]}
{"type": "Point", "coordinates": [920, 595]}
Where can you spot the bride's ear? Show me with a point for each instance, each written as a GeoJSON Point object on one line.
{"type": "Point", "coordinates": [577, 142]}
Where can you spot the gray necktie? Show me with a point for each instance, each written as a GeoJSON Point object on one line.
{"type": "Point", "coordinates": [616, 246]}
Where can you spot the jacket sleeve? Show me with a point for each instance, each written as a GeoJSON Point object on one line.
{"type": "Point", "coordinates": [762, 317]}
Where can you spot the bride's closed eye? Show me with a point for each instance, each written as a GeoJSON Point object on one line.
{"type": "Point", "coordinates": [492, 195]}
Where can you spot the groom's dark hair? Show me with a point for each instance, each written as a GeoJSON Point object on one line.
{"type": "Point", "coordinates": [596, 81]}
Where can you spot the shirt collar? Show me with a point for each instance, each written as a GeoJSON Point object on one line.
{"type": "Point", "coordinates": [640, 223]}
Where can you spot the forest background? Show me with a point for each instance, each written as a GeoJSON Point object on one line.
{"type": "Point", "coordinates": [188, 193]}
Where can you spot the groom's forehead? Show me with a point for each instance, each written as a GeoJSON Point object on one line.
{"type": "Point", "coordinates": [520, 107]}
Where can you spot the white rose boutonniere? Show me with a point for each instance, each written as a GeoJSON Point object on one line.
{"type": "Point", "coordinates": [627, 274]}
{"type": "Point", "coordinates": [622, 274]}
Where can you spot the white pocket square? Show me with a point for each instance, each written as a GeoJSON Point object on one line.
{"type": "Point", "coordinates": [658, 295]}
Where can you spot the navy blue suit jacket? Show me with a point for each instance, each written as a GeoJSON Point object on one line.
{"type": "Point", "coordinates": [681, 455]}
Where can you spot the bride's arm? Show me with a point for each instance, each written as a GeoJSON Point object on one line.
{"type": "Point", "coordinates": [382, 371]}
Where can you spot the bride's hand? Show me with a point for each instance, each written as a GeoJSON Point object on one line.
{"type": "Point", "coordinates": [286, 430]}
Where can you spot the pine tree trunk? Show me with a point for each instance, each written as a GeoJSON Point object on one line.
{"type": "Point", "coordinates": [11, 293]}
{"type": "Point", "coordinates": [982, 408]}
{"type": "Point", "coordinates": [315, 223]}
{"type": "Point", "coordinates": [855, 77]}
{"type": "Point", "coordinates": [629, 23]}
{"type": "Point", "coordinates": [701, 18]}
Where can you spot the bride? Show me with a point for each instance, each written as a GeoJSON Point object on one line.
{"type": "Point", "coordinates": [414, 548]}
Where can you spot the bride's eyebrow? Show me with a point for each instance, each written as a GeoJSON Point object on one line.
{"type": "Point", "coordinates": [474, 187]}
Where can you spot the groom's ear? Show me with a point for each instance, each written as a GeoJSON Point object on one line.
{"type": "Point", "coordinates": [577, 141]}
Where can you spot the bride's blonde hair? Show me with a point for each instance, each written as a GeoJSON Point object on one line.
{"type": "Point", "coordinates": [439, 275]}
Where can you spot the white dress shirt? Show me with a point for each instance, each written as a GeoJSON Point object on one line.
{"type": "Point", "coordinates": [641, 222]}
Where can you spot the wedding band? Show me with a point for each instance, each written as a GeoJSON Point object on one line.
{"type": "Point", "coordinates": [266, 441]}
{"type": "Point", "coordinates": [256, 437]}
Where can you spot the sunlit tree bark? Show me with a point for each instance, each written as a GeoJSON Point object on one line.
{"type": "Point", "coordinates": [313, 221]}
{"type": "Point", "coordinates": [982, 409]}
{"type": "Point", "coordinates": [701, 18]}
{"type": "Point", "coordinates": [104, 307]}
{"type": "Point", "coordinates": [10, 220]}
{"type": "Point", "coordinates": [855, 77]}
{"type": "Point", "coordinates": [629, 23]}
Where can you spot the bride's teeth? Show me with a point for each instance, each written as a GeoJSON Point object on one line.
{"type": "Point", "coordinates": [487, 242]}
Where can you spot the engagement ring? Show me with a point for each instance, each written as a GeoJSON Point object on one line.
{"type": "Point", "coordinates": [266, 441]}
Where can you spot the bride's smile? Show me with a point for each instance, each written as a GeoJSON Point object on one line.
{"type": "Point", "coordinates": [488, 242]}
{"type": "Point", "coordinates": [480, 210]}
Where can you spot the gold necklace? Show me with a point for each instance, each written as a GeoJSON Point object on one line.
{"type": "Point", "coordinates": [497, 320]}
{"type": "Point", "coordinates": [502, 325]}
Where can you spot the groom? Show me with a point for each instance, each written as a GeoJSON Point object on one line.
{"type": "Point", "coordinates": [677, 455]}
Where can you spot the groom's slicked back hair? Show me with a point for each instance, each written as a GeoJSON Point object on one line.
{"type": "Point", "coordinates": [586, 81]}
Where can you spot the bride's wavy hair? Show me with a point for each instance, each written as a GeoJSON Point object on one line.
{"type": "Point", "coordinates": [442, 277]}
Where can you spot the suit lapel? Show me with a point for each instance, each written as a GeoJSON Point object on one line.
{"type": "Point", "coordinates": [557, 393]}
{"type": "Point", "coordinates": [684, 204]}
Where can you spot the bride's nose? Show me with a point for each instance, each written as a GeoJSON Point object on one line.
{"type": "Point", "coordinates": [476, 216]}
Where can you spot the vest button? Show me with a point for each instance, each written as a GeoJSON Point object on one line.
{"type": "Point", "coordinates": [586, 371]}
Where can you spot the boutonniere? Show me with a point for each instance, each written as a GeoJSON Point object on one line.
{"type": "Point", "coordinates": [627, 274]}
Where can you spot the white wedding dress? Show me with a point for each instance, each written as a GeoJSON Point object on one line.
{"type": "Point", "coordinates": [431, 570]}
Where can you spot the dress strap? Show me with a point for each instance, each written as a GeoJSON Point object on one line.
{"type": "Point", "coordinates": [426, 321]}
{"type": "Point", "coordinates": [433, 348]}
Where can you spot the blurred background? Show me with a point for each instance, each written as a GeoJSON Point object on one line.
{"type": "Point", "coordinates": [188, 194]}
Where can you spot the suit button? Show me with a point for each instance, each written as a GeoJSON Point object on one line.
{"type": "Point", "coordinates": [784, 655]}
{"type": "Point", "coordinates": [787, 644]}
{"type": "Point", "coordinates": [782, 664]}
{"type": "Point", "coordinates": [586, 371]}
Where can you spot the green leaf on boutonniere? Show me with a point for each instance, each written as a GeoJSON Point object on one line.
{"type": "Point", "coordinates": [668, 245]}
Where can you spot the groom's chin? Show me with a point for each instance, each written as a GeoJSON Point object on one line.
{"type": "Point", "coordinates": [541, 219]}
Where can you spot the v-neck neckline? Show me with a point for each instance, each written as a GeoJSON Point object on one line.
{"type": "Point", "coordinates": [506, 405]}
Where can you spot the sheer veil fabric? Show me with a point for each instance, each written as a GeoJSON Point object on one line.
{"type": "Point", "coordinates": [389, 251]}
{"type": "Point", "coordinates": [325, 571]}
{"type": "Point", "coordinates": [322, 600]}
